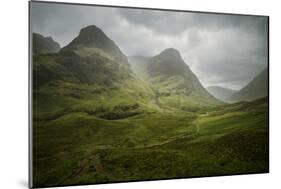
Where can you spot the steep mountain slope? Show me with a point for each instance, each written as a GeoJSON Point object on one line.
{"type": "Point", "coordinates": [220, 92]}
{"type": "Point", "coordinates": [93, 37]}
{"type": "Point", "coordinates": [89, 75]}
{"type": "Point", "coordinates": [168, 62]}
{"type": "Point", "coordinates": [173, 82]}
{"type": "Point", "coordinates": [43, 44]}
{"type": "Point", "coordinates": [257, 88]}
{"type": "Point", "coordinates": [96, 57]}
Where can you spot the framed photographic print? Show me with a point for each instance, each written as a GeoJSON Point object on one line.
{"type": "Point", "coordinates": [120, 94]}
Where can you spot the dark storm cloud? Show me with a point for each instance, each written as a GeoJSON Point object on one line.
{"type": "Point", "coordinates": [223, 50]}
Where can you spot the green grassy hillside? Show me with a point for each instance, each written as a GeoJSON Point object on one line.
{"type": "Point", "coordinates": [79, 148]}
{"type": "Point", "coordinates": [87, 79]}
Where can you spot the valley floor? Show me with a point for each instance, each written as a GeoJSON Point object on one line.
{"type": "Point", "coordinates": [79, 148]}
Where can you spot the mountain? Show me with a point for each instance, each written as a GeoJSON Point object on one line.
{"type": "Point", "coordinates": [42, 45]}
{"type": "Point", "coordinates": [257, 88]}
{"type": "Point", "coordinates": [91, 74]}
{"type": "Point", "coordinates": [173, 82]}
{"type": "Point", "coordinates": [90, 58]}
{"type": "Point", "coordinates": [94, 37]}
{"type": "Point", "coordinates": [220, 92]}
{"type": "Point", "coordinates": [168, 62]}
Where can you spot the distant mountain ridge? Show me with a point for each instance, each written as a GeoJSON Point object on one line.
{"type": "Point", "coordinates": [255, 89]}
{"type": "Point", "coordinates": [42, 45]}
{"type": "Point", "coordinates": [220, 93]}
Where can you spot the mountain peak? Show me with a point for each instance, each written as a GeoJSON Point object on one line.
{"type": "Point", "coordinates": [92, 32]}
{"type": "Point", "coordinates": [43, 44]}
{"type": "Point", "coordinates": [169, 75]}
{"type": "Point", "coordinates": [92, 36]}
{"type": "Point", "coordinates": [169, 61]}
{"type": "Point", "coordinates": [171, 51]}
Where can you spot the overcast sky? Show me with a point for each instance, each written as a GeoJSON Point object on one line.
{"type": "Point", "coordinates": [223, 50]}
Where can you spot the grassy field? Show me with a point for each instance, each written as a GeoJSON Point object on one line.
{"type": "Point", "coordinates": [78, 145]}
